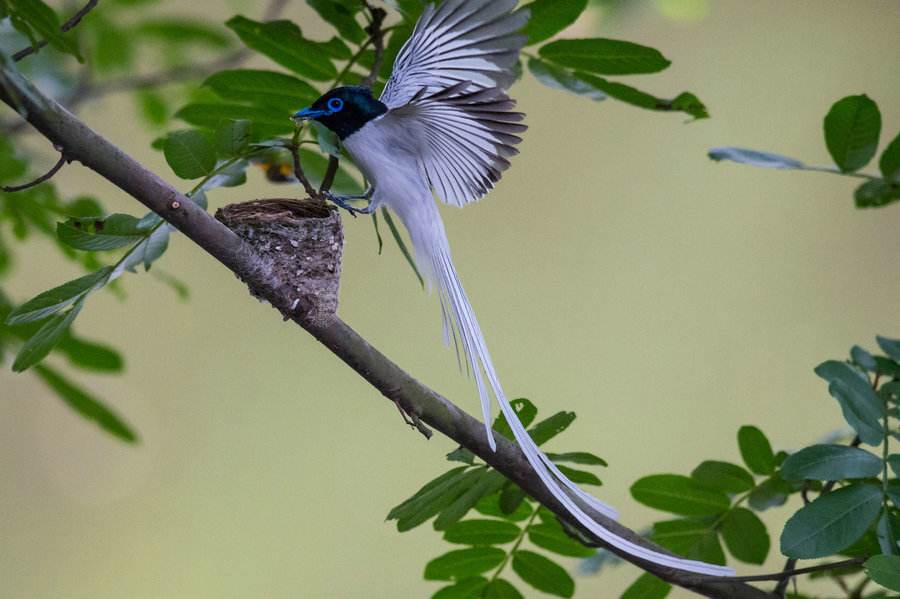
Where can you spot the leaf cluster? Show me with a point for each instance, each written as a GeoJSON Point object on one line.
{"type": "Point", "coordinates": [850, 495]}
{"type": "Point", "coordinates": [852, 131]}
{"type": "Point", "coordinates": [497, 524]}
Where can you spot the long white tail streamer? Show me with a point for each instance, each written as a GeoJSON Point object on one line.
{"type": "Point", "coordinates": [433, 257]}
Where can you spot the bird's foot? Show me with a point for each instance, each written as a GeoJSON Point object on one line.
{"type": "Point", "coordinates": [344, 202]}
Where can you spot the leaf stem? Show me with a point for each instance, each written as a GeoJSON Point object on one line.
{"type": "Point", "coordinates": [45, 177]}
{"type": "Point", "coordinates": [835, 171]}
{"type": "Point", "coordinates": [515, 546]}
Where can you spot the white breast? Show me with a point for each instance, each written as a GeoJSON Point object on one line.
{"type": "Point", "coordinates": [389, 158]}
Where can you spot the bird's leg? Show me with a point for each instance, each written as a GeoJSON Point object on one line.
{"type": "Point", "coordinates": [344, 201]}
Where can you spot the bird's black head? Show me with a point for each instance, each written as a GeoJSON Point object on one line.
{"type": "Point", "coordinates": [344, 110]}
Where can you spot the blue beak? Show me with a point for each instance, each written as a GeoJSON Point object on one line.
{"type": "Point", "coordinates": [308, 114]}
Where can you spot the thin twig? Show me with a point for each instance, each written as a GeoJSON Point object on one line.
{"type": "Point", "coordinates": [330, 173]}
{"type": "Point", "coordinates": [788, 574]}
{"type": "Point", "coordinates": [72, 22]}
{"type": "Point", "coordinates": [376, 34]}
{"type": "Point", "coordinates": [376, 39]}
{"type": "Point", "coordinates": [45, 177]}
{"type": "Point", "coordinates": [298, 168]}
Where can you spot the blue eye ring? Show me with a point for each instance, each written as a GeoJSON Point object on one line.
{"type": "Point", "coordinates": [335, 105]}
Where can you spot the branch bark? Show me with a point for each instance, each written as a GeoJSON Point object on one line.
{"type": "Point", "coordinates": [80, 143]}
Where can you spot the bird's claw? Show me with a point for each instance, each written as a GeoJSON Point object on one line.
{"type": "Point", "coordinates": [342, 202]}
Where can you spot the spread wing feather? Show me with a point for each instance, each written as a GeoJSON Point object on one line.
{"type": "Point", "coordinates": [467, 138]}
{"type": "Point", "coordinates": [459, 40]}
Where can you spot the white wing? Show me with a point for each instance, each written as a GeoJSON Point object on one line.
{"type": "Point", "coordinates": [467, 138]}
{"type": "Point", "coordinates": [460, 40]}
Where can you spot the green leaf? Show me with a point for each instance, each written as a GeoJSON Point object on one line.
{"type": "Point", "coordinates": [35, 15]}
{"type": "Point", "coordinates": [559, 78]}
{"type": "Point", "coordinates": [723, 476]}
{"type": "Point", "coordinates": [772, 492]}
{"type": "Point", "coordinates": [852, 128]}
{"type": "Point", "coordinates": [543, 574]}
{"type": "Point", "coordinates": [876, 193]}
{"type": "Point", "coordinates": [190, 154]}
{"type": "Point", "coordinates": [266, 123]}
{"type": "Point", "coordinates": [679, 495]}
{"type": "Point", "coordinates": [85, 405]}
{"type": "Point", "coordinates": [468, 588]}
{"type": "Point", "coordinates": [482, 532]}
{"type": "Point", "coordinates": [863, 358]}
{"type": "Point", "coordinates": [437, 500]}
{"type": "Point", "coordinates": [552, 537]}
{"type": "Point", "coordinates": [395, 233]}
{"type": "Point", "coordinates": [525, 411]}
{"type": "Point", "coordinates": [832, 522]}
{"type": "Point", "coordinates": [889, 164]}
{"type": "Point", "coordinates": [511, 497]}
{"type": "Point", "coordinates": [233, 137]}
{"type": "Point", "coordinates": [647, 586]}
{"type": "Point", "coordinates": [341, 17]}
{"type": "Point", "coordinates": [580, 476]}
{"type": "Point", "coordinates": [461, 454]}
{"type": "Point", "coordinates": [45, 339]}
{"type": "Point", "coordinates": [54, 300]}
{"type": "Point", "coordinates": [745, 536]}
{"type": "Point", "coordinates": [426, 494]}
{"type": "Point", "coordinates": [755, 158]}
{"type": "Point", "coordinates": [500, 589]}
{"type": "Point", "coordinates": [490, 482]}
{"type": "Point", "coordinates": [155, 246]}
{"type": "Point", "coordinates": [685, 102]}
{"type": "Point", "coordinates": [93, 234]}
{"type": "Point", "coordinates": [490, 506]}
{"type": "Point", "coordinates": [889, 346]}
{"type": "Point", "coordinates": [756, 450]}
{"type": "Point", "coordinates": [269, 89]}
{"type": "Point", "coordinates": [283, 42]}
{"type": "Point", "coordinates": [546, 429]}
{"type": "Point", "coordinates": [153, 107]}
{"type": "Point", "coordinates": [549, 17]}
{"type": "Point", "coordinates": [89, 355]}
{"type": "Point", "coordinates": [605, 56]}
{"type": "Point", "coordinates": [315, 166]}
{"type": "Point", "coordinates": [894, 463]}
{"type": "Point", "coordinates": [884, 531]}
{"type": "Point", "coordinates": [830, 462]}
{"type": "Point", "coordinates": [578, 457]}
{"type": "Point", "coordinates": [463, 563]}
{"type": "Point", "coordinates": [885, 570]}
{"type": "Point", "coordinates": [682, 536]}
{"type": "Point", "coordinates": [860, 405]}
{"type": "Point", "coordinates": [181, 32]}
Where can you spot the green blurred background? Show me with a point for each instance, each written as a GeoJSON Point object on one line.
{"type": "Point", "coordinates": [617, 272]}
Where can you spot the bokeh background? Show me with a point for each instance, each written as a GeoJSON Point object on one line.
{"type": "Point", "coordinates": [616, 271]}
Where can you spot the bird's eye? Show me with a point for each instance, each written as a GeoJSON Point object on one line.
{"type": "Point", "coordinates": [335, 104]}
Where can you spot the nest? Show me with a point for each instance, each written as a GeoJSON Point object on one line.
{"type": "Point", "coordinates": [300, 244]}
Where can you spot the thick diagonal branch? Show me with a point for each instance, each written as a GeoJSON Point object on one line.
{"type": "Point", "coordinates": [81, 143]}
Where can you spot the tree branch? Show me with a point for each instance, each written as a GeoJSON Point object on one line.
{"type": "Point", "coordinates": [45, 177]}
{"type": "Point", "coordinates": [788, 574]}
{"type": "Point", "coordinates": [81, 143]}
{"type": "Point", "coordinates": [71, 23]}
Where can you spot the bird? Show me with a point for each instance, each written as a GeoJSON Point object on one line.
{"type": "Point", "coordinates": [445, 126]}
